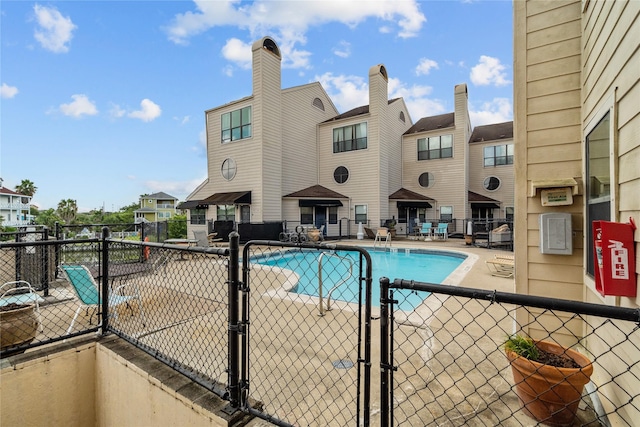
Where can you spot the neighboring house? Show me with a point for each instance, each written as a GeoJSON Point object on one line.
{"type": "Point", "coordinates": [156, 207]}
{"type": "Point", "coordinates": [577, 116]}
{"type": "Point", "coordinates": [14, 208]}
{"type": "Point", "coordinates": [287, 154]}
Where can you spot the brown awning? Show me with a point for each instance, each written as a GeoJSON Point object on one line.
{"type": "Point", "coordinates": [190, 204]}
{"type": "Point", "coordinates": [320, 203]}
{"type": "Point", "coordinates": [232, 198]}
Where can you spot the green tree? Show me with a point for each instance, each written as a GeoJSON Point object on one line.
{"type": "Point", "coordinates": [49, 218]}
{"type": "Point", "coordinates": [68, 210]}
{"type": "Point", "coordinates": [178, 227]}
{"type": "Point", "coordinates": [26, 187]}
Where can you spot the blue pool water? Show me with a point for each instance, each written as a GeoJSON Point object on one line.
{"type": "Point", "coordinates": [432, 267]}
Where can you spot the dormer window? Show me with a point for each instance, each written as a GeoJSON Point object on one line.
{"type": "Point", "coordinates": [435, 147]}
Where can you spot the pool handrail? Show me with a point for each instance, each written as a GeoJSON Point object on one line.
{"type": "Point", "coordinates": [321, 309]}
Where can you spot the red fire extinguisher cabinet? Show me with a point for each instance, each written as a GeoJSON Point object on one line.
{"type": "Point", "coordinates": [614, 258]}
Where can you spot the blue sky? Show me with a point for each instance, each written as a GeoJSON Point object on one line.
{"type": "Point", "coordinates": [102, 101]}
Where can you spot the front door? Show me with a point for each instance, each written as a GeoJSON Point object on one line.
{"type": "Point", "coordinates": [245, 213]}
{"type": "Point", "coordinates": [320, 215]}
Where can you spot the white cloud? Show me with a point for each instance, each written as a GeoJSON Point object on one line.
{"type": "Point", "coordinates": [7, 91]}
{"type": "Point", "coordinates": [417, 99]}
{"type": "Point", "coordinates": [343, 50]}
{"type": "Point", "coordinates": [346, 92]}
{"type": "Point", "coordinates": [81, 106]}
{"type": "Point", "coordinates": [149, 111]}
{"type": "Point", "coordinates": [425, 66]}
{"type": "Point", "coordinates": [289, 22]}
{"type": "Point", "coordinates": [116, 111]}
{"type": "Point", "coordinates": [237, 51]}
{"type": "Point", "coordinates": [498, 110]}
{"type": "Point", "coordinates": [179, 189]}
{"type": "Point", "coordinates": [349, 92]}
{"type": "Point", "coordinates": [489, 71]}
{"type": "Point", "coordinates": [55, 31]}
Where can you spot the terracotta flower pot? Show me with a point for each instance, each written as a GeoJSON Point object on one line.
{"type": "Point", "coordinates": [548, 394]}
{"type": "Point", "coordinates": [17, 326]}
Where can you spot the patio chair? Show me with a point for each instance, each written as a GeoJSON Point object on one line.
{"type": "Point", "coordinates": [382, 235]}
{"type": "Point", "coordinates": [500, 267]}
{"type": "Point", "coordinates": [20, 292]}
{"type": "Point", "coordinates": [205, 240]}
{"type": "Point", "coordinates": [442, 231]}
{"type": "Point", "coordinates": [425, 231]}
{"type": "Point", "coordinates": [88, 293]}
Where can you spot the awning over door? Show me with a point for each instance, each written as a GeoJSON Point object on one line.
{"type": "Point", "coordinates": [425, 205]}
{"type": "Point", "coordinates": [318, 202]}
{"type": "Point", "coordinates": [233, 198]}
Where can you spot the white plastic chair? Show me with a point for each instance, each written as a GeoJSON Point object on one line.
{"type": "Point", "coordinates": [382, 234]}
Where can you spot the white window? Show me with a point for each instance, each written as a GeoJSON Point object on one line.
{"type": "Point", "coordinates": [361, 214]}
{"type": "Point", "coordinates": [446, 213]}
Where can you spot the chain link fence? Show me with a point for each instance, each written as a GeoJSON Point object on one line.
{"type": "Point", "coordinates": [293, 340]}
{"type": "Point", "coordinates": [307, 341]}
{"type": "Point", "coordinates": [445, 363]}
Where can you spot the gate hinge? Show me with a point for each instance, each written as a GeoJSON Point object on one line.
{"type": "Point", "coordinates": [388, 301]}
{"type": "Point", "coordinates": [387, 367]}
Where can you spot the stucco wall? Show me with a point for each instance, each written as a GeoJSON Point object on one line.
{"type": "Point", "coordinates": [106, 383]}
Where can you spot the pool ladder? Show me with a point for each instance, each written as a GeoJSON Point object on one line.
{"type": "Point", "coordinates": [321, 308]}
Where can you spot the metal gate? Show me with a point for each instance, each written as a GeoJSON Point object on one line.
{"type": "Point", "coordinates": [306, 333]}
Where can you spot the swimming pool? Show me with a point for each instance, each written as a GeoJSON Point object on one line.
{"type": "Point", "coordinates": [340, 272]}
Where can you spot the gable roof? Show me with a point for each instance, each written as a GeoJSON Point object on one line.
{"type": "Point", "coordinates": [404, 194]}
{"type": "Point", "coordinates": [475, 197]}
{"type": "Point", "coordinates": [317, 191]}
{"type": "Point", "coordinates": [159, 195]}
{"type": "Point", "coordinates": [364, 109]}
{"type": "Point", "coordinates": [492, 132]}
{"type": "Point", "coordinates": [426, 124]}
{"type": "Point", "coordinates": [5, 190]}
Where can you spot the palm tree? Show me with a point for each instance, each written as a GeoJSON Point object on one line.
{"type": "Point", "coordinates": [26, 187]}
{"type": "Point", "coordinates": [67, 209]}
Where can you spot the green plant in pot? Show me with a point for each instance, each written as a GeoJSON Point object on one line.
{"type": "Point", "coordinates": [549, 378]}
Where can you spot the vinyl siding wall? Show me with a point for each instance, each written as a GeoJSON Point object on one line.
{"type": "Point", "coordinates": [299, 134]}
{"type": "Point", "coordinates": [611, 70]}
{"type": "Point", "coordinates": [243, 151]}
{"type": "Point", "coordinates": [450, 174]}
{"type": "Point", "coordinates": [547, 138]}
{"type": "Point", "coordinates": [267, 116]}
{"type": "Point", "coordinates": [362, 185]}
{"type": "Point", "coordinates": [394, 163]}
{"type": "Point", "coordinates": [571, 66]}
{"type": "Point", "coordinates": [478, 172]}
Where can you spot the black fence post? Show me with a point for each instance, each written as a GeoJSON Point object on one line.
{"type": "Point", "coordinates": [57, 247]}
{"type": "Point", "coordinates": [45, 262]}
{"type": "Point", "coordinates": [234, 327]}
{"type": "Point", "coordinates": [105, 280]}
{"type": "Point", "coordinates": [384, 352]}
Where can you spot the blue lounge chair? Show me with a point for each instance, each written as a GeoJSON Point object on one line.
{"type": "Point", "coordinates": [88, 292]}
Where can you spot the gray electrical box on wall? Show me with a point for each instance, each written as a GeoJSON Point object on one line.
{"type": "Point", "coordinates": [556, 234]}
